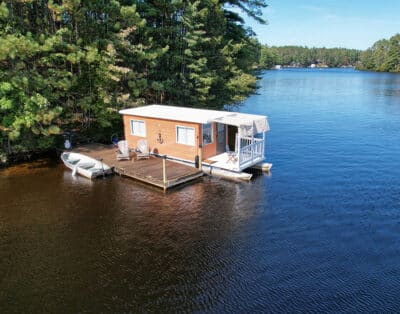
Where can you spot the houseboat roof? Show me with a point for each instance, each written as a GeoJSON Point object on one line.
{"type": "Point", "coordinates": [197, 115]}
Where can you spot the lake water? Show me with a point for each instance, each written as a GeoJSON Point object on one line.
{"type": "Point", "coordinates": [320, 233]}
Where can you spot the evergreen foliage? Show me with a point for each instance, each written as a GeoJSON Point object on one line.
{"type": "Point", "coordinates": [303, 56]}
{"type": "Point", "coordinates": [383, 56]}
{"type": "Point", "coordinates": [72, 64]}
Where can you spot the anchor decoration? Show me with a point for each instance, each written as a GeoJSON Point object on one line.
{"type": "Point", "coordinates": [160, 140]}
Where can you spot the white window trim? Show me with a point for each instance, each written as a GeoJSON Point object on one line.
{"type": "Point", "coordinates": [212, 133]}
{"type": "Point", "coordinates": [186, 127]}
{"type": "Point", "coordinates": [136, 120]}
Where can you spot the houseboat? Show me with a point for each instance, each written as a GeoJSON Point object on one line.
{"type": "Point", "coordinates": [221, 142]}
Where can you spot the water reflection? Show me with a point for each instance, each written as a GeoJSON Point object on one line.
{"type": "Point", "coordinates": [117, 243]}
{"type": "Point", "coordinates": [319, 233]}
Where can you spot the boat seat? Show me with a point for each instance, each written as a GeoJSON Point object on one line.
{"type": "Point", "coordinates": [86, 165]}
{"type": "Point", "coordinates": [73, 162]}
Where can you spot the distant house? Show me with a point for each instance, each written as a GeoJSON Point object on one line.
{"type": "Point", "coordinates": [231, 140]}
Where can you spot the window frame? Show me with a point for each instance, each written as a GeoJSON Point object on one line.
{"type": "Point", "coordinates": [185, 127]}
{"type": "Point", "coordinates": [132, 129]}
{"type": "Point", "coordinates": [211, 135]}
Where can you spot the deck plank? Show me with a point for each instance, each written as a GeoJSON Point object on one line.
{"type": "Point", "coordinates": [148, 170]}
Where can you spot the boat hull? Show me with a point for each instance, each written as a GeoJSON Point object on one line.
{"type": "Point", "coordinates": [265, 166]}
{"type": "Point", "coordinates": [85, 166]}
{"type": "Point", "coordinates": [217, 171]}
{"type": "Point", "coordinates": [226, 174]}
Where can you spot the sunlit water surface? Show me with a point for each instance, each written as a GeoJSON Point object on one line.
{"type": "Point", "coordinates": [320, 233]}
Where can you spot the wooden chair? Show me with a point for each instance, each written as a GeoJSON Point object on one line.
{"type": "Point", "coordinates": [142, 150]}
{"type": "Point", "coordinates": [123, 151]}
{"type": "Point", "coordinates": [232, 156]}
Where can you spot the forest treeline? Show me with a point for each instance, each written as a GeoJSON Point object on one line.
{"type": "Point", "coordinates": [383, 56]}
{"type": "Point", "coordinates": [72, 64]}
{"type": "Point", "coordinates": [303, 56]}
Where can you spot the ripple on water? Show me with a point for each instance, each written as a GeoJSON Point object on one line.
{"type": "Point", "coordinates": [320, 233]}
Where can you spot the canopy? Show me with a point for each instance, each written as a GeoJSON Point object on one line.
{"type": "Point", "coordinates": [248, 124]}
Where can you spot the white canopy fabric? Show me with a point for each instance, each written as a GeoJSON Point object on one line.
{"type": "Point", "coordinates": [248, 125]}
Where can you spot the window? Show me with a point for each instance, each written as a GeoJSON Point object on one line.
{"type": "Point", "coordinates": [185, 135]}
{"type": "Point", "coordinates": [207, 133]}
{"type": "Point", "coordinates": [138, 128]}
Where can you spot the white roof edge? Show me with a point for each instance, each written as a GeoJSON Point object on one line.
{"type": "Point", "coordinates": [187, 114]}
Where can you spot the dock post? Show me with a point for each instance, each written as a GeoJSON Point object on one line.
{"type": "Point", "coordinates": [200, 157]}
{"type": "Point", "coordinates": [164, 165]}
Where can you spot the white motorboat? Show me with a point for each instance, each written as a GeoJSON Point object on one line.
{"type": "Point", "coordinates": [216, 171]}
{"type": "Point", "coordinates": [265, 166]}
{"type": "Point", "coordinates": [226, 174]}
{"type": "Point", "coordinates": [84, 165]}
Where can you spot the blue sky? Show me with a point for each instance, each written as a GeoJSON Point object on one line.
{"type": "Point", "coordinates": [328, 23]}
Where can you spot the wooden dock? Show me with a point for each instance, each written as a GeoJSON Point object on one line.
{"type": "Point", "coordinates": [156, 171]}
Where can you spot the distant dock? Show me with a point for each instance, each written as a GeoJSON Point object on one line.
{"type": "Point", "coordinates": [156, 171]}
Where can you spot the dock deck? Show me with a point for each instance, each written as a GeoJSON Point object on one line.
{"type": "Point", "coordinates": [148, 170]}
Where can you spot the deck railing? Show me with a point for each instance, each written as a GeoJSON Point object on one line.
{"type": "Point", "coordinates": [251, 152]}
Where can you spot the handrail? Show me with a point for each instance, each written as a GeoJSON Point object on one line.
{"type": "Point", "coordinates": [249, 153]}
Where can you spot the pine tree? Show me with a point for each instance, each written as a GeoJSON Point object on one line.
{"type": "Point", "coordinates": [72, 64]}
{"type": "Point", "coordinates": [383, 56]}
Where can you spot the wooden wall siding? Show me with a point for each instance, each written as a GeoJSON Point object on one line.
{"type": "Point", "coordinates": [167, 129]}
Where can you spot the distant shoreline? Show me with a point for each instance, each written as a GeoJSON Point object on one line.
{"type": "Point", "coordinates": [327, 67]}
{"type": "Point", "coordinates": [311, 67]}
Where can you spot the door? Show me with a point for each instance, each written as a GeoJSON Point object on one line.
{"type": "Point", "coordinates": [221, 138]}
{"type": "Point", "coordinates": [232, 134]}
